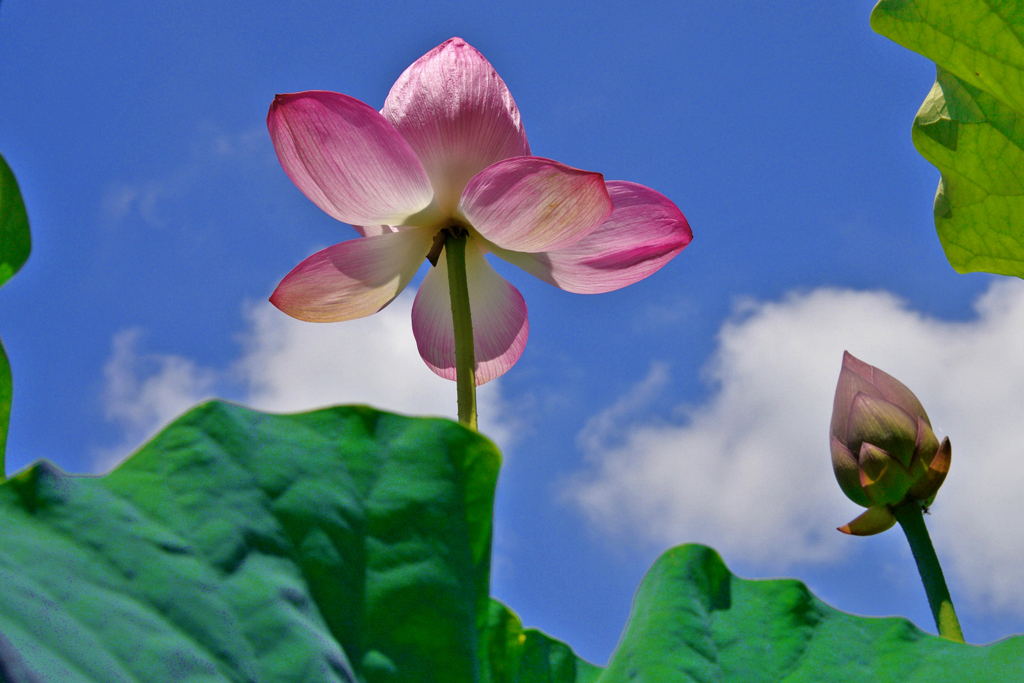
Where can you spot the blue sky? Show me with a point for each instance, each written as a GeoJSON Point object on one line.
{"type": "Point", "coordinates": [692, 406]}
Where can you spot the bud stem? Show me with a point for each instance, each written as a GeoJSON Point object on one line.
{"type": "Point", "coordinates": [909, 515]}
{"type": "Point", "coordinates": [465, 355]}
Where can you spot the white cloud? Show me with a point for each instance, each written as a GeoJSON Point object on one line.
{"type": "Point", "coordinates": [292, 366]}
{"type": "Point", "coordinates": [749, 471]}
{"type": "Point", "coordinates": [289, 364]}
{"type": "Point", "coordinates": [146, 391]}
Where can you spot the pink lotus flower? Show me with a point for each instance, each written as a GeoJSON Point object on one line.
{"type": "Point", "coordinates": [448, 151]}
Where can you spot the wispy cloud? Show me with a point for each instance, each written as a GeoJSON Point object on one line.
{"type": "Point", "coordinates": [144, 200]}
{"type": "Point", "coordinates": [749, 470]}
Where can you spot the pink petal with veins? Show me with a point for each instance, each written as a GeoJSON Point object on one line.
{"type": "Point", "coordinates": [643, 233]}
{"type": "Point", "coordinates": [534, 204]}
{"type": "Point", "coordinates": [458, 116]}
{"type": "Point", "coordinates": [353, 279]}
{"type": "Point", "coordinates": [500, 326]}
{"type": "Point", "coordinates": [347, 158]}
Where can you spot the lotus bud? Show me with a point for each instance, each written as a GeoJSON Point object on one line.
{"type": "Point", "coordinates": [884, 451]}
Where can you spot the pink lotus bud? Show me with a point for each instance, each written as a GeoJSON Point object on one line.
{"type": "Point", "coordinates": [883, 448]}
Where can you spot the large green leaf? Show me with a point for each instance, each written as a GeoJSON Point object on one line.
{"type": "Point", "coordinates": [339, 545]}
{"type": "Point", "coordinates": [517, 655]}
{"type": "Point", "coordinates": [971, 125]}
{"type": "Point", "coordinates": [352, 545]}
{"type": "Point", "coordinates": [695, 621]}
{"type": "Point", "coordinates": [15, 244]}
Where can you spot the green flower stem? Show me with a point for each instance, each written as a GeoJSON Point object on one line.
{"type": "Point", "coordinates": [909, 515]}
{"type": "Point", "coordinates": [465, 356]}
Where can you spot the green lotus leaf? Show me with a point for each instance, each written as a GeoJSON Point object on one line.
{"type": "Point", "coordinates": [339, 545]}
{"type": "Point", "coordinates": [693, 620]}
{"type": "Point", "coordinates": [971, 125]}
{"type": "Point", "coordinates": [15, 244]}
{"type": "Point", "coordinates": [352, 545]}
{"type": "Point", "coordinates": [15, 241]}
